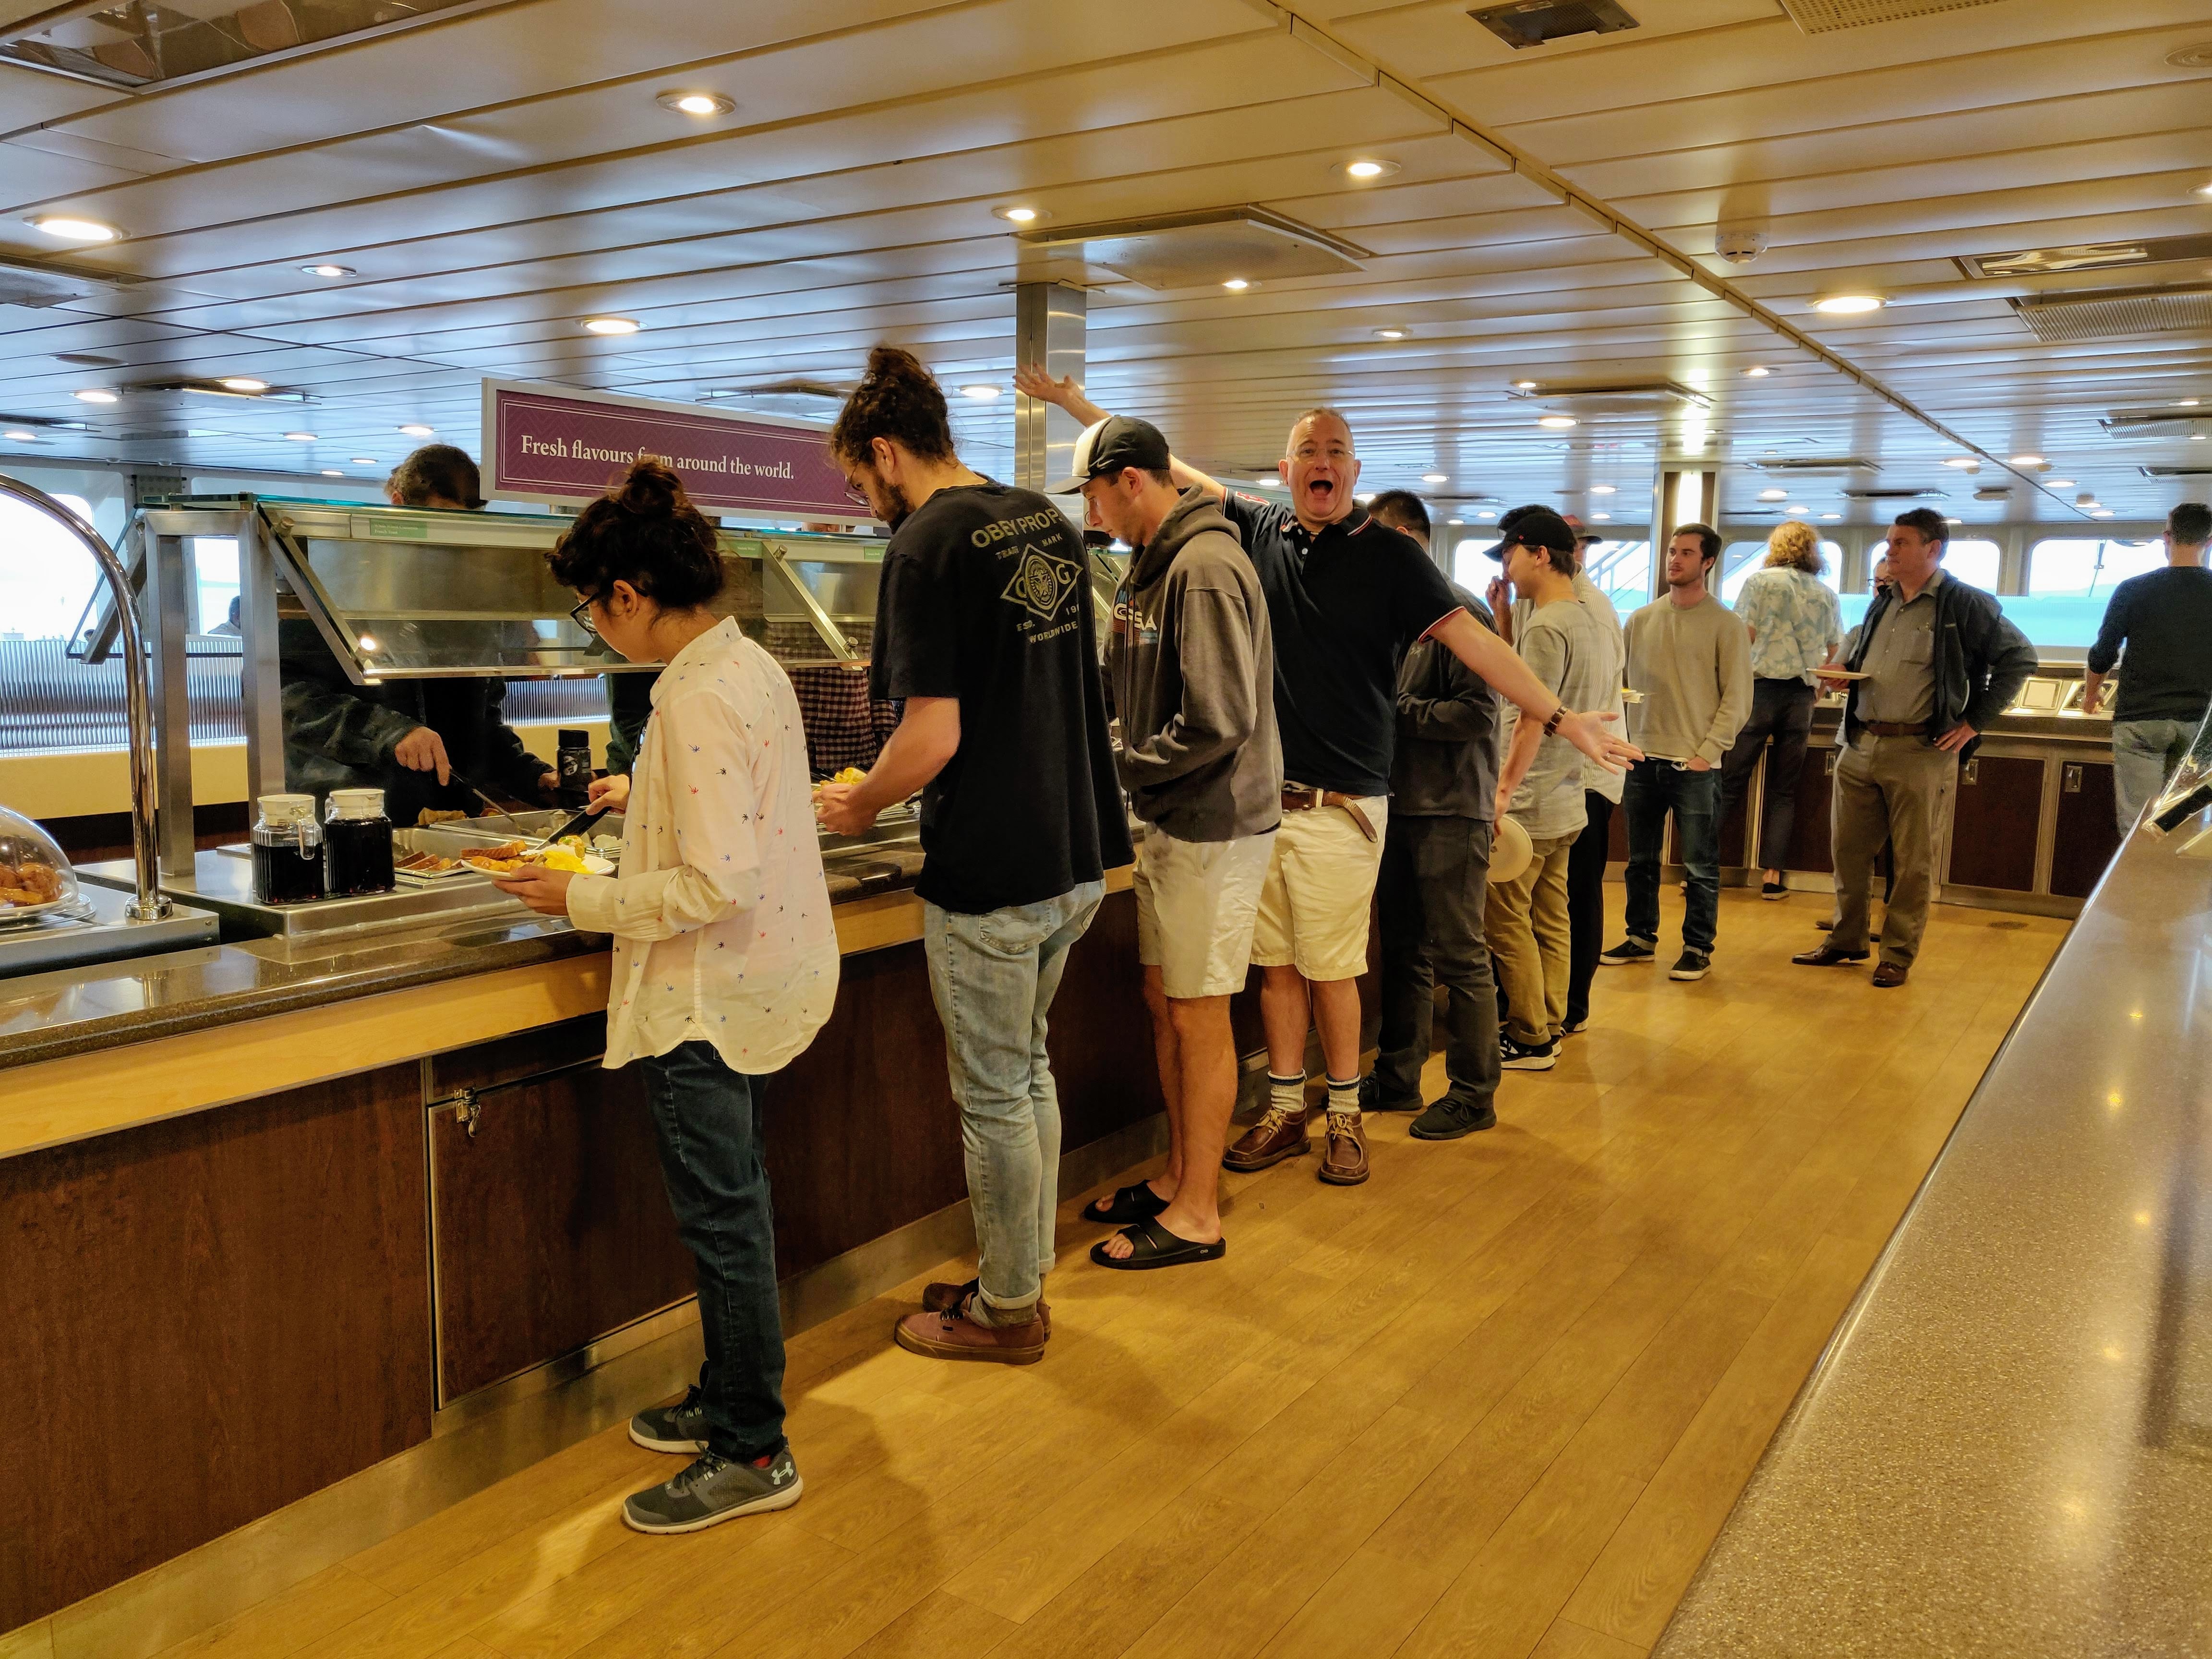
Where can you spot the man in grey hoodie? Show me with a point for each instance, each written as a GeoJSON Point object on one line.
{"type": "Point", "coordinates": [1189, 666]}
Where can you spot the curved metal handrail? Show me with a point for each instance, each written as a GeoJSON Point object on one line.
{"type": "Point", "coordinates": [148, 904]}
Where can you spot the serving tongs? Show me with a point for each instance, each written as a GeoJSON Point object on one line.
{"type": "Point", "coordinates": [582, 821]}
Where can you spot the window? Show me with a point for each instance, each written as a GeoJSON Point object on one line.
{"type": "Point", "coordinates": [1622, 572]}
{"type": "Point", "coordinates": [1469, 568]}
{"type": "Point", "coordinates": [1974, 563]}
{"type": "Point", "coordinates": [47, 575]}
{"type": "Point", "coordinates": [2069, 582]}
{"type": "Point", "coordinates": [1739, 560]}
{"type": "Point", "coordinates": [214, 573]}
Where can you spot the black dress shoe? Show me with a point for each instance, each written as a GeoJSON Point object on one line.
{"type": "Point", "coordinates": [1828, 956]}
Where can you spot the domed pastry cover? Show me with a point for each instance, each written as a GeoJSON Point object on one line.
{"type": "Point", "coordinates": [35, 877]}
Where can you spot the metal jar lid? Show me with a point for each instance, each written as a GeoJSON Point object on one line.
{"type": "Point", "coordinates": [356, 803]}
{"type": "Point", "coordinates": [277, 809]}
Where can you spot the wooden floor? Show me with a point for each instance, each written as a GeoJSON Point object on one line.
{"type": "Point", "coordinates": [1497, 1402]}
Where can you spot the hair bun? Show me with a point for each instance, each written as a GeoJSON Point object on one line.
{"type": "Point", "coordinates": [651, 489]}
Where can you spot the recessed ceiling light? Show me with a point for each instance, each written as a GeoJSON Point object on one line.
{"type": "Point", "coordinates": [1954, 521]}
{"type": "Point", "coordinates": [300, 437]}
{"type": "Point", "coordinates": [1757, 371]}
{"type": "Point", "coordinates": [696, 103]}
{"type": "Point", "coordinates": [1832, 515]}
{"type": "Point", "coordinates": [1390, 333]}
{"type": "Point", "coordinates": [1556, 422]}
{"type": "Point", "coordinates": [2058, 484]}
{"type": "Point", "coordinates": [95, 395]}
{"type": "Point", "coordinates": [1237, 284]}
{"type": "Point", "coordinates": [609, 325]}
{"type": "Point", "coordinates": [1021, 213]}
{"type": "Point", "coordinates": [1524, 386]}
{"type": "Point", "coordinates": [1436, 478]}
{"type": "Point", "coordinates": [328, 271]}
{"type": "Point", "coordinates": [63, 228]}
{"type": "Point", "coordinates": [417, 430]}
{"type": "Point", "coordinates": [2205, 190]}
{"type": "Point", "coordinates": [1368, 169]}
{"type": "Point", "coordinates": [1795, 507]}
{"type": "Point", "coordinates": [18, 436]}
{"type": "Point", "coordinates": [1774, 495]}
{"type": "Point", "coordinates": [2101, 512]}
{"type": "Point", "coordinates": [364, 460]}
{"type": "Point", "coordinates": [242, 383]}
{"type": "Point", "coordinates": [1485, 513]}
{"type": "Point", "coordinates": [1602, 517]}
{"type": "Point", "coordinates": [2197, 437]}
{"type": "Point", "coordinates": [1848, 304]}
{"type": "Point", "coordinates": [2029, 460]}
{"type": "Point", "coordinates": [980, 393]}
{"type": "Point", "coordinates": [2188, 403]}
{"type": "Point", "coordinates": [1967, 462]}
{"type": "Point", "coordinates": [1602, 489]}
{"type": "Point", "coordinates": [332, 472]}
{"type": "Point", "coordinates": [1454, 520]}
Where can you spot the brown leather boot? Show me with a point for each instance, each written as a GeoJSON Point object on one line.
{"type": "Point", "coordinates": [1344, 1161]}
{"type": "Point", "coordinates": [952, 1336]}
{"type": "Point", "coordinates": [1277, 1135]}
{"type": "Point", "coordinates": [942, 1295]}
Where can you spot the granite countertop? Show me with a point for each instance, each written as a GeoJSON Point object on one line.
{"type": "Point", "coordinates": [105, 1005]}
{"type": "Point", "coordinates": [2007, 1449]}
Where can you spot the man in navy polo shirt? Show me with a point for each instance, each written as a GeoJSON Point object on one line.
{"type": "Point", "coordinates": [1346, 595]}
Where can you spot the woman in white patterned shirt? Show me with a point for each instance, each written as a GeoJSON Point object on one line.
{"type": "Point", "coordinates": [1795, 624]}
{"type": "Point", "coordinates": [725, 962]}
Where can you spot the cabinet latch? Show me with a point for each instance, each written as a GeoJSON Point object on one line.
{"type": "Point", "coordinates": [1972, 773]}
{"type": "Point", "coordinates": [2071, 778]}
{"type": "Point", "coordinates": [468, 1108]}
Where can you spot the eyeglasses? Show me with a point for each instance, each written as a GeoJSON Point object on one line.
{"type": "Point", "coordinates": [581, 616]}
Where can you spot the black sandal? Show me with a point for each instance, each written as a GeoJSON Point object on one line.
{"type": "Point", "coordinates": [1130, 1204]}
{"type": "Point", "coordinates": [1154, 1246]}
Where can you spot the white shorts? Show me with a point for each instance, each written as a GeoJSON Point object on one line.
{"type": "Point", "coordinates": [1197, 902]}
{"type": "Point", "coordinates": [1314, 910]}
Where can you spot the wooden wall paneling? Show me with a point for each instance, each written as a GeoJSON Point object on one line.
{"type": "Point", "coordinates": [526, 1053]}
{"type": "Point", "coordinates": [1101, 1038]}
{"type": "Point", "coordinates": [208, 1317]}
{"type": "Point", "coordinates": [552, 1224]}
{"type": "Point", "coordinates": [1734, 831]}
{"type": "Point", "coordinates": [1998, 806]}
{"type": "Point", "coordinates": [1617, 835]}
{"type": "Point", "coordinates": [2087, 834]}
{"type": "Point", "coordinates": [1811, 847]}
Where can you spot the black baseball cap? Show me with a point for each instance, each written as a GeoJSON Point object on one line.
{"type": "Point", "coordinates": [1533, 527]}
{"type": "Point", "coordinates": [1108, 447]}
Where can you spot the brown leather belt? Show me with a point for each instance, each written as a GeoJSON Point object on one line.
{"type": "Point", "coordinates": [1895, 728]}
{"type": "Point", "coordinates": [1305, 800]}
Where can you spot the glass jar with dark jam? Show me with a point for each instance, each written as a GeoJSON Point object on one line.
{"type": "Point", "coordinates": [288, 851]}
{"type": "Point", "coordinates": [357, 843]}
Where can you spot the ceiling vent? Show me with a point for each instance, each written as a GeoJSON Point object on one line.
{"type": "Point", "coordinates": [2176, 471]}
{"type": "Point", "coordinates": [806, 399]}
{"type": "Point", "coordinates": [1994, 493]}
{"type": "Point", "coordinates": [1820, 16]}
{"type": "Point", "coordinates": [1528, 23]}
{"type": "Point", "coordinates": [39, 286]}
{"type": "Point", "coordinates": [2116, 314]}
{"type": "Point", "coordinates": [1814, 463]}
{"type": "Point", "coordinates": [1602, 399]}
{"type": "Point", "coordinates": [2153, 423]}
{"type": "Point", "coordinates": [2085, 256]}
{"type": "Point", "coordinates": [45, 423]}
{"type": "Point", "coordinates": [1885, 493]}
{"type": "Point", "coordinates": [1206, 249]}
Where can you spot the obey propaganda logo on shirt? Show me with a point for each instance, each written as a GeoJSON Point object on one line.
{"type": "Point", "coordinates": [1041, 577]}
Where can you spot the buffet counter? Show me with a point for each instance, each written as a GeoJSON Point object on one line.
{"type": "Point", "coordinates": [2004, 1449]}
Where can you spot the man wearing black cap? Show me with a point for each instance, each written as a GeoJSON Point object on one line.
{"type": "Point", "coordinates": [1192, 675]}
{"type": "Point", "coordinates": [1346, 596]}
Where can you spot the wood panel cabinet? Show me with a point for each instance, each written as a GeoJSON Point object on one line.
{"type": "Point", "coordinates": [1997, 808]}
{"type": "Point", "coordinates": [2087, 834]}
{"type": "Point", "coordinates": [206, 1319]}
{"type": "Point", "coordinates": [1811, 847]}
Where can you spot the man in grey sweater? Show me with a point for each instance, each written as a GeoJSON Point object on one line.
{"type": "Point", "coordinates": [1189, 666]}
{"type": "Point", "coordinates": [1434, 877]}
{"type": "Point", "coordinates": [1690, 657]}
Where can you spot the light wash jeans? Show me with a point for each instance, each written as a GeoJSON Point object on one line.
{"type": "Point", "coordinates": [993, 975]}
{"type": "Point", "coordinates": [2144, 755]}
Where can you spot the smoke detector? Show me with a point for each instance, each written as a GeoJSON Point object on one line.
{"type": "Point", "coordinates": [1527, 23]}
{"type": "Point", "coordinates": [1738, 244]}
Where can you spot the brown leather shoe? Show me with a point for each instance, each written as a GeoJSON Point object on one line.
{"type": "Point", "coordinates": [942, 1296]}
{"type": "Point", "coordinates": [1277, 1135]}
{"type": "Point", "coordinates": [1889, 973]}
{"type": "Point", "coordinates": [1828, 956]}
{"type": "Point", "coordinates": [1344, 1160]}
{"type": "Point", "coordinates": [952, 1336]}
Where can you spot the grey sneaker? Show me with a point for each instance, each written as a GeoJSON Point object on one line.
{"type": "Point", "coordinates": [1691, 964]}
{"type": "Point", "coordinates": [1450, 1118]}
{"type": "Point", "coordinates": [711, 1489]}
{"type": "Point", "coordinates": [681, 1427]}
{"type": "Point", "coordinates": [1629, 952]}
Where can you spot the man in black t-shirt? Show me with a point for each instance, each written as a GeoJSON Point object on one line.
{"type": "Point", "coordinates": [984, 627]}
{"type": "Point", "coordinates": [1345, 597]}
{"type": "Point", "coordinates": [2163, 620]}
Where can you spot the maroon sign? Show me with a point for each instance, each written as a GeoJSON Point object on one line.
{"type": "Point", "coordinates": [555, 444]}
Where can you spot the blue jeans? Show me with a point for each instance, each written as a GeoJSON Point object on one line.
{"type": "Point", "coordinates": [993, 975]}
{"type": "Point", "coordinates": [707, 1120]}
{"type": "Point", "coordinates": [1655, 789]}
{"type": "Point", "coordinates": [2144, 755]}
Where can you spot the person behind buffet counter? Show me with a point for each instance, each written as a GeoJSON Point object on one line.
{"type": "Point", "coordinates": [726, 963]}
{"type": "Point", "coordinates": [984, 626]}
{"type": "Point", "coordinates": [406, 737]}
{"type": "Point", "coordinates": [1942, 662]}
{"type": "Point", "coordinates": [1191, 668]}
{"type": "Point", "coordinates": [2163, 620]}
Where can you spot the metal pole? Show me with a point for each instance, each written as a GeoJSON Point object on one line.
{"type": "Point", "coordinates": [147, 904]}
{"type": "Point", "coordinates": [172, 713]}
{"type": "Point", "coordinates": [1049, 324]}
{"type": "Point", "coordinates": [259, 675]}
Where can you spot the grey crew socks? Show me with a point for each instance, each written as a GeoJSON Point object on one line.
{"type": "Point", "coordinates": [1344, 1098]}
{"type": "Point", "coordinates": [1287, 1094]}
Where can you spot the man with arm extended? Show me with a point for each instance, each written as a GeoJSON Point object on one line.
{"type": "Point", "coordinates": [1689, 655]}
{"type": "Point", "coordinates": [1435, 879]}
{"type": "Point", "coordinates": [2164, 620]}
{"type": "Point", "coordinates": [983, 626]}
{"type": "Point", "coordinates": [1345, 597]}
{"type": "Point", "coordinates": [1941, 662]}
{"type": "Point", "coordinates": [1192, 674]}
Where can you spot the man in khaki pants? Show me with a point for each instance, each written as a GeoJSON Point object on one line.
{"type": "Point", "coordinates": [1940, 663]}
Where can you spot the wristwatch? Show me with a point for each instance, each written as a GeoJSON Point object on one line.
{"type": "Point", "coordinates": [1552, 726]}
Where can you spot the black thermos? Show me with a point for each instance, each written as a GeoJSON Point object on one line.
{"type": "Point", "coordinates": [573, 761]}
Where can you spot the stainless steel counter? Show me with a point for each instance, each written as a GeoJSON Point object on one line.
{"type": "Point", "coordinates": [2007, 1449]}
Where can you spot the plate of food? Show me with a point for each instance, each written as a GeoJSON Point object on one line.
{"type": "Point", "coordinates": [509, 856]}
{"type": "Point", "coordinates": [29, 890]}
{"type": "Point", "coordinates": [420, 869]}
